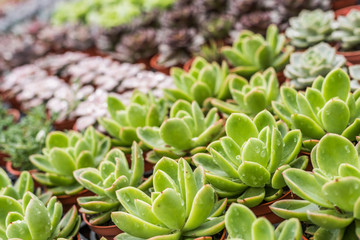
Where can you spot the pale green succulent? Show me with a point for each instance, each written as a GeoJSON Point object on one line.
{"type": "Point", "coordinates": [186, 131]}
{"type": "Point", "coordinates": [182, 206]}
{"type": "Point", "coordinates": [247, 164]}
{"type": "Point", "coordinates": [241, 223]}
{"type": "Point", "coordinates": [305, 67]}
{"type": "Point", "coordinates": [252, 53]}
{"type": "Point", "coordinates": [347, 30]}
{"type": "Point", "coordinates": [31, 219]}
{"type": "Point", "coordinates": [326, 107]}
{"type": "Point", "coordinates": [66, 152]}
{"type": "Point", "coordinates": [331, 192]}
{"type": "Point", "coordinates": [113, 174]}
{"type": "Point", "coordinates": [310, 28]}
{"type": "Point", "coordinates": [203, 81]}
{"type": "Point", "coordinates": [250, 97]}
{"type": "Point", "coordinates": [143, 110]}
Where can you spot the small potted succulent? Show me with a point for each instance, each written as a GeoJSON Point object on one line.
{"type": "Point", "coordinates": [143, 110]}
{"type": "Point", "coordinates": [310, 28]}
{"type": "Point", "coordinates": [112, 174]}
{"type": "Point", "coordinates": [252, 52]}
{"type": "Point", "coordinates": [305, 67]}
{"type": "Point", "coordinates": [63, 154]}
{"type": "Point", "coordinates": [186, 132]}
{"type": "Point", "coordinates": [250, 97]}
{"type": "Point", "coordinates": [181, 206]}
{"type": "Point", "coordinates": [203, 81]}
{"type": "Point", "coordinates": [345, 32]}
{"type": "Point", "coordinates": [241, 223]}
{"type": "Point", "coordinates": [326, 107]}
{"type": "Point", "coordinates": [246, 166]}
{"type": "Point", "coordinates": [32, 219]}
{"type": "Point", "coordinates": [330, 192]}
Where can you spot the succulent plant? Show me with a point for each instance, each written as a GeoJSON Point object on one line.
{"type": "Point", "coordinates": [187, 130]}
{"type": "Point", "coordinates": [22, 185]}
{"type": "Point", "coordinates": [251, 52]}
{"type": "Point", "coordinates": [113, 174]}
{"type": "Point", "coordinates": [346, 30]}
{"type": "Point", "coordinates": [217, 27]}
{"type": "Point", "coordinates": [204, 80]}
{"type": "Point", "coordinates": [66, 152]}
{"type": "Point", "coordinates": [241, 223]}
{"type": "Point", "coordinates": [144, 110]}
{"type": "Point", "coordinates": [246, 165]}
{"type": "Point", "coordinates": [184, 17]}
{"type": "Point", "coordinates": [32, 219]}
{"type": "Point", "coordinates": [210, 52]}
{"type": "Point", "coordinates": [250, 97]}
{"type": "Point", "coordinates": [326, 107]}
{"type": "Point", "coordinates": [305, 67]}
{"type": "Point", "coordinates": [182, 206]}
{"type": "Point", "coordinates": [330, 192]}
{"type": "Point", "coordinates": [138, 45]}
{"type": "Point", "coordinates": [310, 28]}
{"type": "Point", "coordinates": [211, 6]}
{"type": "Point", "coordinates": [177, 45]}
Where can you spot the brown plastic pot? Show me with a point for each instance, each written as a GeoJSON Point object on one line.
{"type": "Point", "coordinates": [188, 64]}
{"type": "Point", "coordinates": [263, 210]}
{"type": "Point", "coordinates": [108, 232]}
{"type": "Point", "coordinates": [154, 64]}
{"type": "Point", "coordinates": [352, 57]}
{"type": "Point", "coordinates": [69, 200]}
{"type": "Point", "coordinates": [340, 4]}
{"type": "Point", "coordinates": [14, 171]}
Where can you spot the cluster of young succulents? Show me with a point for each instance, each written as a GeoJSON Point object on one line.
{"type": "Point", "coordinates": [252, 52]}
{"type": "Point", "coordinates": [247, 163]}
{"type": "Point", "coordinates": [305, 67]}
{"type": "Point", "coordinates": [326, 107]}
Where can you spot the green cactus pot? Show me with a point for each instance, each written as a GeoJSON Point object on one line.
{"type": "Point", "coordinates": [108, 232]}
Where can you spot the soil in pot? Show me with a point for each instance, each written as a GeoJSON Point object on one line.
{"type": "Point", "coordinates": [64, 125]}
{"type": "Point", "coordinates": [69, 200]}
{"type": "Point", "coordinates": [109, 232]}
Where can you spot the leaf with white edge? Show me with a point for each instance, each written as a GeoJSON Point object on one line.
{"type": "Point", "coordinates": [336, 84]}
{"type": "Point", "coordinates": [262, 230]}
{"type": "Point", "coordinates": [240, 128]}
{"type": "Point", "coordinates": [293, 209]}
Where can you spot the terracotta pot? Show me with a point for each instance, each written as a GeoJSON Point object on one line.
{"type": "Point", "coordinates": [303, 238]}
{"type": "Point", "coordinates": [281, 77]}
{"type": "Point", "coordinates": [14, 171]}
{"type": "Point", "coordinates": [109, 232]}
{"type": "Point", "coordinates": [340, 4]}
{"type": "Point", "coordinates": [146, 62]}
{"type": "Point", "coordinates": [154, 64]}
{"type": "Point", "coordinates": [352, 57]}
{"type": "Point", "coordinates": [69, 200]}
{"type": "Point", "coordinates": [64, 125]}
{"type": "Point", "coordinates": [263, 210]}
{"type": "Point", "coordinates": [15, 113]}
{"type": "Point", "coordinates": [187, 65]}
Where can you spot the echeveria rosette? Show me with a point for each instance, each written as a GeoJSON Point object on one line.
{"type": "Point", "coordinates": [203, 81]}
{"type": "Point", "coordinates": [66, 152]}
{"type": "Point", "coordinates": [310, 28]}
{"type": "Point", "coordinates": [305, 67]}
{"type": "Point", "coordinates": [112, 174]}
{"type": "Point", "coordinates": [241, 223]}
{"type": "Point", "coordinates": [250, 97]}
{"type": "Point", "coordinates": [331, 192]}
{"type": "Point", "coordinates": [182, 206]}
{"type": "Point", "coordinates": [32, 219]}
{"type": "Point", "coordinates": [326, 107]}
{"type": "Point", "coordinates": [347, 30]}
{"type": "Point", "coordinates": [186, 131]}
{"type": "Point", "coordinates": [246, 165]}
{"type": "Point", "coordinates": [143, 110]}
{"type": "Point", "coordinates": [252, 53]}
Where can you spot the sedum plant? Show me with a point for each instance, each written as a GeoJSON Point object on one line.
{"type": "Point", "coordinates": [310, 28]}
{"type": "Point", "coordinates": [252, 52]}
{"type": "Point", "coordinates": [247, 164]}
{"type": "Point", "coordinates": [347, 30]}
{"type": "Point", "coordinates": [330, 192]}
{"type": "Point", "coordinates": [305, 67]}
{"type": "Point", "coordinates": [182, 206]}
{"type": "Point", "coordinates": [112, 174]}
{"type": "Point", "coordinates": [143, 110]}
{"type": "Point", "coordinates": [250, 97]}
{"type": "Point", "coordinates": [326, 107]}
{"type": "Point", "coordinates": [203, 81]}
{"type": "Point", "coordinates": [241, 223]}
{"type": "Point", "coordinates": [187, 130]}
{"type": "Point", "coordinates": [32, 219]}
{"type": "Point", "coordinates": [66, 152]}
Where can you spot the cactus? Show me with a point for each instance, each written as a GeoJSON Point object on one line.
{"type": "Point", "coordinates": [66, 152]}
{"type": "Point", "coordinates": [182, 206]}
{"type": "Point", "coordinates": [247, 164]}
